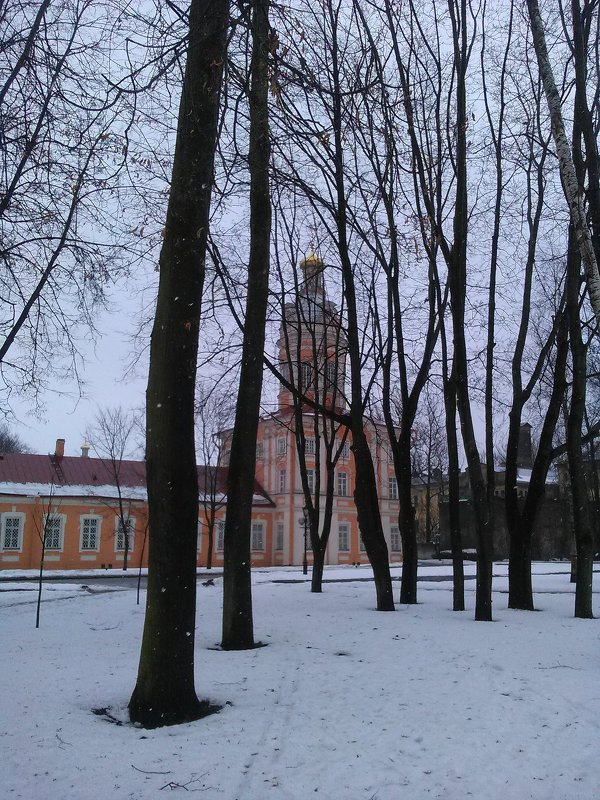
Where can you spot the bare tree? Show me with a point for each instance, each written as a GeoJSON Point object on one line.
{"type": "Point", "coordinates": [111, 437]}
{"type": "Point", "coordinates": [11, 442]}
{"type": "Point", "coordinates": [64, 123]}
{"type": "Point", "coordinates": [214, 412]}
{"type": "Point", "coordinates": [238, 627]}
{"type": "Point", "coordinates": [48, 528]}
{"type": "Point", "coordinates": [165, 690]}
{"type": "Point", "coordinates": [568, 169]}
{"type": "Point", "coordinates": [315, 344]}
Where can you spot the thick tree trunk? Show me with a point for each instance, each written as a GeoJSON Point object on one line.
{"type": "Point", "coordinates": [521, 521]}
{"type": "Point", "coordinates": [458, 569]}
{"type": "Point", "coordinates": [165, 693]}
{"type": "Point", "coordinates": [238, 628]}
{"type": "Point", "coordinates": [406, 524]}
{"type": "Point", "coordinates": [584, 539]}
{"type": "Point", "coordinates": [316, 579]}
{"type": "Point", "coordinates": [369, 518]}
{"type": "Point", "coordinates": [520, 589]}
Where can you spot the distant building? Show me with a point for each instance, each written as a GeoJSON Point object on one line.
{"type": "Point", "coordinates": [76, 499]}
{"type": "Point", "coordinates": [551, 536]}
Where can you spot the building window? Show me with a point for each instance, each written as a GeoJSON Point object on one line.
{"type": "Point", "coordinates": [12, 531]}
{"type": "Point", "coordinates": [392, 487]}
{"type": "Point", "coordinates": [310, 477]}
{"type": "Point", "coordinates": [220, 534]}
{"type": "Point", "coordinates": [279, 536]}
{"type": "Point", "coordinates": [344, 537]}
{"type": "Point", "coordinates": [124, 526]}
{"type": "Point", "coordinates": [306, 375]}
{"type": "Point", "coordinates": [395, 539]}
{"type": "Point", "coordinates": [260, 450]}
{"type": "Point", "coordinates": [258, 535]}
{"type": "Point", "coordinates": [331, 374]}
{"type": "Point", "coordinates": [345, 452]}
{"type": "Point", "coordinates": [53, 532]}
{"type": "Point", "coordinates": [309, 446]}
{"type": "Point", "coordinates": [361, 544]}
{"type": "Point", "coordinates": [281, 445]}
{"type": "Point", "coordinates": [282, 481]}
{"type": "Point", "coordinates": [342, 484]}
{"type": "Point", "coordinates": [90, 533]}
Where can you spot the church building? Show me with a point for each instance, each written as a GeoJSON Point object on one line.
{"type": "Point", "coordinates": [93, 516]}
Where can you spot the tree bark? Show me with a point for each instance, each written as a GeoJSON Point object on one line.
{"type": "Point", "coordinates": [458, 567]}
{"type": "Point", "coordinates": [238, 626]}
{"type": "Point", "coordinates": [165, 692]}
{"type": "Point", "coordinates": [457, 279]}
{"type": "Point", "coordinates": [568, 175]}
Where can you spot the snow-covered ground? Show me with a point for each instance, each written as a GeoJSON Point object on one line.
{"type": "Point", "coordinates": [344, 704]}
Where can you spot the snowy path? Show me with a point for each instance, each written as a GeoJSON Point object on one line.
{"type": "Point", "coordinates": [343, 704]}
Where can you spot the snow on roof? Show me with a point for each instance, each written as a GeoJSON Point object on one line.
{"type": "Point", "coordinates": [27, 474]}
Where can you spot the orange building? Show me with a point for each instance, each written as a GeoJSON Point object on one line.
{"type": "Point", "coordinates": [87, 509]}
{"type": "Point", "coordinates": [312, 359]}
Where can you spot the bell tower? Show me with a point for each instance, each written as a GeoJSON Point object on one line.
{"type": "Point", "coordinates": [312, 344]}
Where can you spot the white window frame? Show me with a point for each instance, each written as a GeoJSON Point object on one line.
{"type": "Point", "coordinates": [257, 539]}
{"type": "Point", "coordinates": [82, 520]}
{"type": "Point", "coordinates": [130, 522]}
{"type": "Point", "coordinates": [395, 541]}
{"type": "Point", "coordinates": [342, 484]}
{"type": "Point", "coordinates": [392, 487]}
{"type": "Point", "coordinates": [309, 446]}
{"type": "Point", "coordinates": [13, 515]}
{"type": "Point", "coordinates": [310, 479]}
{"type": "Point", "coordinates": [345, 453]}
{"type": "Point", "coordinates": [281, 445]}
{"type": "Point", "coordinates": [220, 534]}
{"type": "Point", "coordinates": [279, 534]}
{"type": "Point", "coordinates": [343, 537]}
{"type": "Point", "coordinates": [61, 532]}
{"type": "Point", "coordinates": [282, 481]}
{"type": "Point", "coordinates": [260, 450]}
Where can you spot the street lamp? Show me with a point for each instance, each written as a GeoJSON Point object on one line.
{"type": "Point", "coordinates": [305, 521]}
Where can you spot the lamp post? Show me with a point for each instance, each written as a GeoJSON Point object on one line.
{"type": "Point", "coordinates": [304, 521]}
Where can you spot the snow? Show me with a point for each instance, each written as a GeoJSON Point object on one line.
{"type": "Point", "coordinates": [107, 491]}
{"type": "Point", "coordinates": [344, 704]}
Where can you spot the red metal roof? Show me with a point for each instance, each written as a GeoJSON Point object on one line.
{"type": "Point", "coordinates": [29, 468]}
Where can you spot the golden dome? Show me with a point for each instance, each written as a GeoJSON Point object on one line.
{"type": "Point", "coordinates": [311, 261]}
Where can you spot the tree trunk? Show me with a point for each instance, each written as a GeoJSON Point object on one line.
{"type": "Point", "coordinates": [457, 278]}
{"type": "Point", "coordinates": [365, 490]}
{"type": "Point", "coordinates": [316, 581]}
{"type": "Point", "coordinates": [520, 590]}
{"type": "Point", "coordinates": [584, 539]}
{"type": "Point", "coordinates": [165, 693]}
{"type": "Point", "coordinates": [458, 568]}
{"type": "Point", "coordinates": [406, 523]}
{"type": "Point", "coordinates": [369, 519]}
{"type": "Point", "coordinates": [568, 175]}
{"type": "Point", "coordinates": [238, 627]}
{"type": "Point", "coordinates": [209, 555]}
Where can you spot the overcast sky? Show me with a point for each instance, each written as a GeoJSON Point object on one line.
{"type": "Point", "coordinates": [67, 416]}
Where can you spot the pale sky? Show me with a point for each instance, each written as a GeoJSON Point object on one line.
{"type": "Point", "coordinates": [66, 415]}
